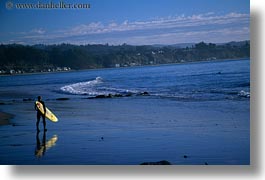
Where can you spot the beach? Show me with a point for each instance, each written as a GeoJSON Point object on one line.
{"type": "Point", "coordinates": [86, 137]}
{"type": "Point", "coordinates": [198, 118]}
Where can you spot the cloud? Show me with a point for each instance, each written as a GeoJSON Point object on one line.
{"type": "Point", "coordinates": [171, 29]}
{"type": "Point", "coordinates": [161, 23]}
{"type": "Point", "coordinates": [38, 31]}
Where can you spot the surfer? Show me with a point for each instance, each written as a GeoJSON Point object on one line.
{"type": "Point", "coordinates": [39, 114]}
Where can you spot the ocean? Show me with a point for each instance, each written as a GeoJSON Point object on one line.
{"type": "Point", "coordinates": [190, 113]}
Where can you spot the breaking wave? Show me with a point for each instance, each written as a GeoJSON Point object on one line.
{"type": "Point", "coordinates": [94, 88]}
{"type": "Point", "coordinates": [82, 88]}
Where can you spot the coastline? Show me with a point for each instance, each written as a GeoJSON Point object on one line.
{"type": "Point", "coordinates": [149, 65]}
{"type": "Point", "coordinates": [5, 118]}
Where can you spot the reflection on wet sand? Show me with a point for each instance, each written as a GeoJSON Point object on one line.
{"type": "Point", "coordinates": [42, 147]}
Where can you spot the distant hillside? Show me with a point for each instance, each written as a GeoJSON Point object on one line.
{"type": "Point", "coordinates": [179, 45]}
{"type": "Point", "coordinates": [46, 58]}
{"type": "Point", "coordinates": [184, 45]}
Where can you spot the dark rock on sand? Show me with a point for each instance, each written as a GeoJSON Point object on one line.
{"type": "Point", "coordinates": [163, 162]}
{"type": "Point", "coordinates": [62, 99]}
{"type": "Point", "coordinates": [5, 118]}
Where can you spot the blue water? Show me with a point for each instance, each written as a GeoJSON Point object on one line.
{"type": "Point", "coordinates": [184, 82]}
{"type": "Point", "coordinates": [199, 110]}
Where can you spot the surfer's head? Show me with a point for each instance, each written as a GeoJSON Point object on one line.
{"type": "Point", "coordinates": [39, 98]}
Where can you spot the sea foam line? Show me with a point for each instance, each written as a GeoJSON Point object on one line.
{"type": "Point", "coordinates": [82, 87]}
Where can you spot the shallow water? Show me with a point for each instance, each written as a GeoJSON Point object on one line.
{"type": "Point", "coordinates": [198, 110]}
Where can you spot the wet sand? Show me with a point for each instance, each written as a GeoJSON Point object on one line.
{"type": "Point", "coordinates": [128, 131]}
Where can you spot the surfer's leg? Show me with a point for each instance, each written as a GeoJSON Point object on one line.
{"type": "Point", "coordinates": [44, 123]}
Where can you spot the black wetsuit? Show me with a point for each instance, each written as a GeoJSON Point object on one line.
{"type": "Point", "coordinates": [39, 114]}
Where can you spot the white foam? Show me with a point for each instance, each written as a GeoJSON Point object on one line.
{"type": "Point", "coordinates": [94, 88]}
{"type": "Point", "coordinates": [244, 94]}
{"type": "Point", "coordinates": [82, 87]}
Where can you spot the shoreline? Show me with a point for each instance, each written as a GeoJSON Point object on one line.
{"type": "Point", "coordinates": [150, 65]}
{"type": "Point", "coordinates": [5, 118]}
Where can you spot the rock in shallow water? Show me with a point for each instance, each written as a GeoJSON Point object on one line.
{"type": "Point", "coordinates": [101, 96]}
{"type": "Point", "coordinates": [163, 162]}
{"type": "Point", "coordinates": [28, 99]}
{"type": "Point", "coordinates": [104, 96]}
{"type": "Point", "coordinates": [144, 94]}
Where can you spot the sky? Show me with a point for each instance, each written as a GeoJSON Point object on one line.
{"type": "Point", "coordinates": [136, 22]}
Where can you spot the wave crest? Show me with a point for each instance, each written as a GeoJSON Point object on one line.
{"type": "Point", "coordinates": [94, 88]}
{"type": "Point", "coordinates": [82, 88]}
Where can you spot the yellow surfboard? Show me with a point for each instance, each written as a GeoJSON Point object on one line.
{"type": "Point", "coordinates": [48, 114]}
